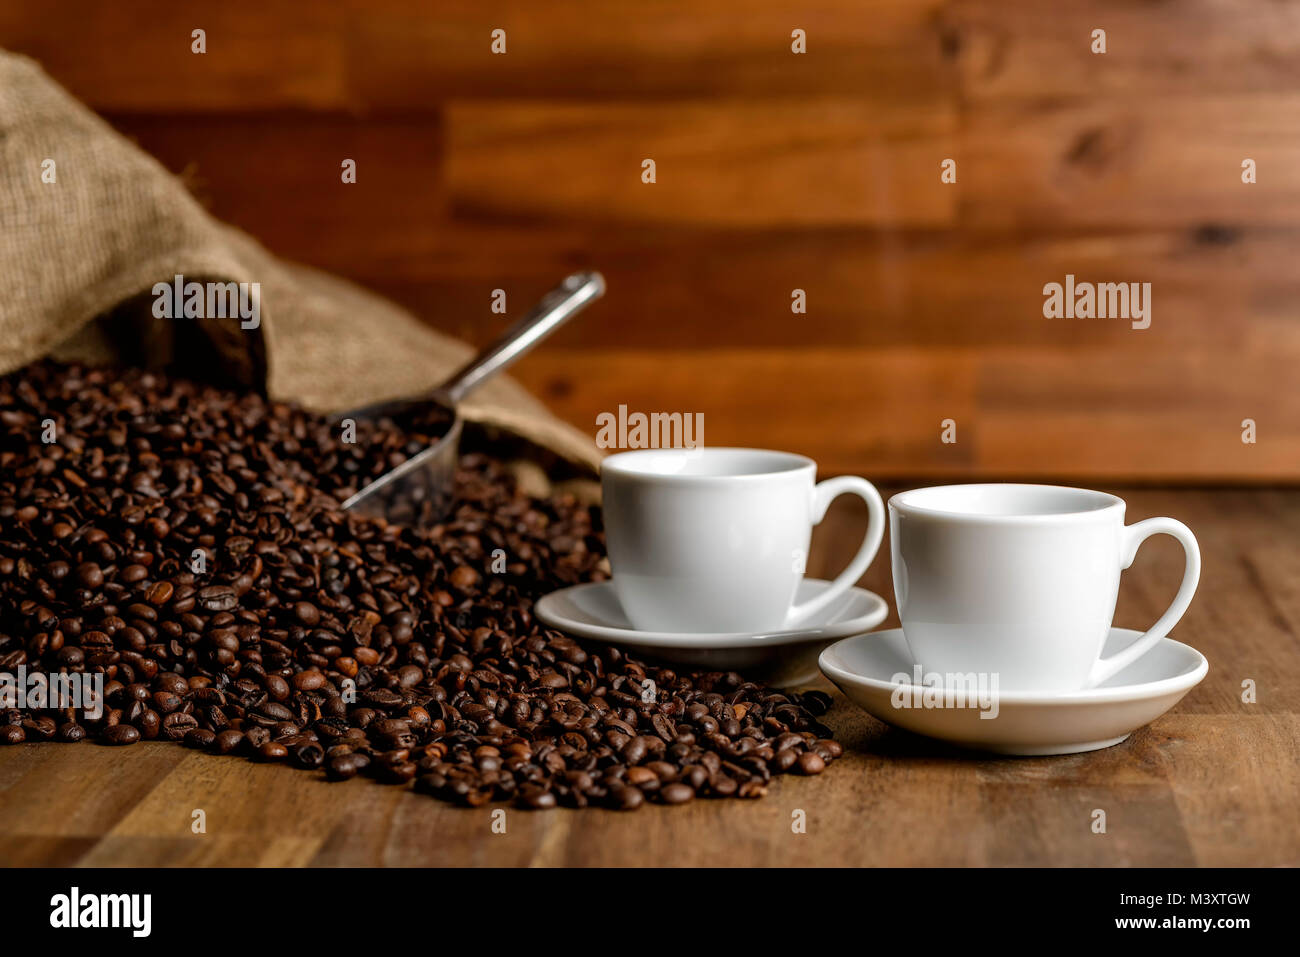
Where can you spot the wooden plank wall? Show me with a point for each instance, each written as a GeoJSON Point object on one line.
{"type": "Point", "coordinates": [778, 171]}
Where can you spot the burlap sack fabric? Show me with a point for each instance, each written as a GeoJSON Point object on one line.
{"type": "Point", "coordinates": [93, 243]}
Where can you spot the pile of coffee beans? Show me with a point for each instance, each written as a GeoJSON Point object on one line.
{"type": "Point", "coordinates": [188, 544]}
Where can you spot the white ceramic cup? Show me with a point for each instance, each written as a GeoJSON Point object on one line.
{"type": "Point", "coordinates": [1021, 581]}
{"type": "Point", "coordinates": [714, 539]}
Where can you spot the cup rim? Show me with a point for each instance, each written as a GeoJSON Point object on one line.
{"type": "Point", "coordinates": [1109, 503]}
{"type": "Point", "coordinates": [620, 464]}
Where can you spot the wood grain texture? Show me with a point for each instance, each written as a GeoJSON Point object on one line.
{"type": "Point", "coordinates": [1133, 161]}
{"type": "Point", "coordinates": [1028, 412]}
{"type": "Point", "coordinates": [778, 163]}
{"type": "Point", "coordinates": [1218, 287]}
{"type": "Point", "coordinates": [137, 54]}
{"type": "Point", "coordinates": [1023, 50]}
{"type": "Point", "coordinates": [401, 56]}
{"type": "Point", "coordinates": [1211, 783]}
{"type": "Point", "coordinates": [777, 172]}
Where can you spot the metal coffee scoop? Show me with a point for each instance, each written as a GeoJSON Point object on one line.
{"type": "Point", "coordinates": [418, 490]}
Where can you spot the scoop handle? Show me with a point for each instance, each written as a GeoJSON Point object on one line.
{"type": "Point", "coordinates": [556, 308]}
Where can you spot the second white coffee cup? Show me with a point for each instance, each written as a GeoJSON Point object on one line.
{"type": "Point", "coordinates": [715, 539]}
{"type": "Point", "coordinates": [1021, 581]}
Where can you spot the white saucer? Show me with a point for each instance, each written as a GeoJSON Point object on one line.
{"type": "Point", "coordinates": [1026, 723]}
{"type": "Point", "coordinates": [777, 657]}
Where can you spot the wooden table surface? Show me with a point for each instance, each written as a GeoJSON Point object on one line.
{"type": "Point", "coordinates": [1214, 782]}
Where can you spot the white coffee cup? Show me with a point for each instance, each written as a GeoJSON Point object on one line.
{"type": "Point", "coordinates": [1021, 581]}
{"type": "Point", "coordinates": [714, 539]}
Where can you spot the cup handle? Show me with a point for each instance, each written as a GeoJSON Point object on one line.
{"type": "Point", "coordinates": [825, 493]}
{"type": "Point", "coordinates": [1133, 536]}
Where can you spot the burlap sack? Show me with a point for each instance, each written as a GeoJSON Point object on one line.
{"type": "Point", "coordinates": [91, 245]}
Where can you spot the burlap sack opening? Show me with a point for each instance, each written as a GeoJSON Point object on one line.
{"type": "Point", "coordinates": [91, 223]}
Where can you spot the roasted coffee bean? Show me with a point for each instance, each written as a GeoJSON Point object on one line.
{"type": "Point", "coordinates": [176, 725]}
{"type": "Point", "coordinates": [13, 734]}
{"type": "Point", "coordinates": [227, 741]}
{"type": "Point", "coordinates": [832, 747]}
{"type": "Point", "coordinates": [121, 734]}
{"type": "Point", "coordinates": [816, 703]}
{"type": "Point", "coordinates": [536, 798]}
{"type": "Point", "coordinates": [284, 731]}
{"type": "Point", "coordinates": [695, 776]}
{"type": "Point", "coordinates": [166, 702]}
{"type": "Point", "coordinates": [308, 680]}
{"type": "Point", "coordinates": [398, 772]}
{"type": "Point", "coordinates": [275, 712]}
{"type": "Point", "coordinates": [172, 683]}
{"type": "Point", "coordinates": [277, 688]}
{"type": "Point", "coordinates": [199, 738]}
{"type": "Point", "coordinates": [676, 793]}
{"type": "Point", "coordinates": [307, 613]}
{"type": "Point", "coordinates": [641, 777]}
{"type": "Point", "coordinates": [272, 751]}
{"type": "Point", "coordinates": [383, 698]}
{"type": "Point", "coordinates": [309, 754]}
{"type": "Point", "coordinates": [345, 766]}
{"type": "Point", "coordinates": [625, 798]}
{"type": "Point", "coordinates": [218, 598]}
{"type": "Point", "coordinates": [90, 575]}
{"type": "Point", "coordinates": [811, 763]}
{"type": "Point", "coordinates": [247, 652]}
{"type": "Point", "coordinates": [432, 783]}
{"type": "Point", "coordinates": [722, 786]}
{"type": "Point", "coordinates": [635, 751]}
{"type": "Point", "coordinates": [664, 728]}
{"type": "Point", "coordinates": [464, 577]}
{"type": "Point", "coordinates": [131, 574]}
{"type": "Point", "coordinates": [664, 770]}
{"type": "Point", "coordinates": [40, 729]}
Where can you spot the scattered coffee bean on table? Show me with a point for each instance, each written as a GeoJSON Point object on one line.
{"type": "Point", "coordinates": [188, 543]}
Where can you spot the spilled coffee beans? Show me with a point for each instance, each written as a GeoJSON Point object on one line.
{"type": "Point", "coordinates": [188, 544]}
